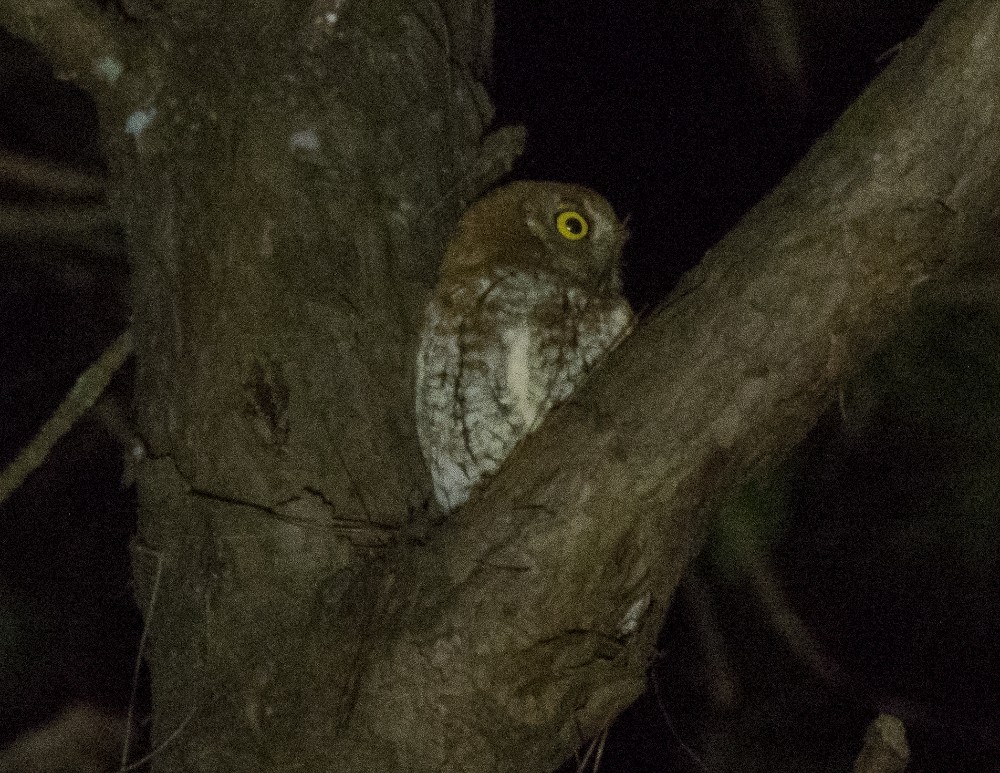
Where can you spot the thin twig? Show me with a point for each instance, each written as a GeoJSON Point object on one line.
{"type": "Point", "coordinates": [81, 397]}
{"type": "Point", "coordinates": [600, 750]}
{"type": "Point", "coordinates": [669, 722]}
{"type": "Point", "coordinates": [166, 742]}
{"type": "Point", "coordinates": [130, 715]}
{"type": "Point", "coordinates": [724, 685]}
{"type": "Point", "coordinates": [783, 617]}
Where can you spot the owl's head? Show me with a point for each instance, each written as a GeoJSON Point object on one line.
{"type": "Point", "coordinates": [567, 230]}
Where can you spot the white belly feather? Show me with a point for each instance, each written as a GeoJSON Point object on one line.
{"type": "Point", "coordinates": [521, 346]}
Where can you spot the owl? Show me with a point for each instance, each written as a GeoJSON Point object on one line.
{"type": "Point", "coordinates": [527, 301]}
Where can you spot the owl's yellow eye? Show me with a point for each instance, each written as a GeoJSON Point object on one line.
{"type": "Point", "coordinates": [572, 225]}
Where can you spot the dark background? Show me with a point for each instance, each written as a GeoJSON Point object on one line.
{"type": "Point", "coordinates": [881, 530]}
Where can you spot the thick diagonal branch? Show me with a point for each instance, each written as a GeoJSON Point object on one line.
{"type": "Point", "coordinates": [545, 597]}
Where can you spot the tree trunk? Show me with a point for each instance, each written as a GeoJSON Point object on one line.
{"type": "Point", "coordinates": [286, 174]}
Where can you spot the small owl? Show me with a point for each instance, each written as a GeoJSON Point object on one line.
{"type": "Point", "coordinates": [528, 300]}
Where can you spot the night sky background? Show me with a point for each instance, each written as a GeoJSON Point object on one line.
{"type": "Point", "coordinates": [881, 530]}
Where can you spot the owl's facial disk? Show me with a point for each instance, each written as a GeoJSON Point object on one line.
{"type": "Point", "coordinates": [579, 235]}
{"type": "Point", "coordinates": [567, 230]}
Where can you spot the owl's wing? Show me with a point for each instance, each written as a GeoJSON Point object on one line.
{"type": "Point", "coordinates": [495, 356]}
{"type": "Point", "coordinates": [480, 384]}
{"type": "Point", "coordinates": [588, 328]}
{"type": "Point", "coordinates": [437, 407]}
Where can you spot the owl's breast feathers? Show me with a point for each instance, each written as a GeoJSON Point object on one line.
{"type": "Point", "coordinates": [498, 350]}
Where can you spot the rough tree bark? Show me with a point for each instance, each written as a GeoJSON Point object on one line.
{"type": "Point", "coordinates": [286, 173]}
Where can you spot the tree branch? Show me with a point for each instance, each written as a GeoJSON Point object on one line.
{"type": "Point", "coordinates": [83, 41]}
{"type": "Point", "coordinates": [89, 386]}
{"type": "Point", "coordinates": [528, 596]}
{"type": "Point", "coordinates": [886, 749]}
{"type": "Point", "coordinates": [45, 176]}
{"type": "Point", "coordinates": [75, 223]}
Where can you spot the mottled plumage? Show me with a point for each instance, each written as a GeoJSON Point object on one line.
{"type": "Point", "coordinates": [528, 300]}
